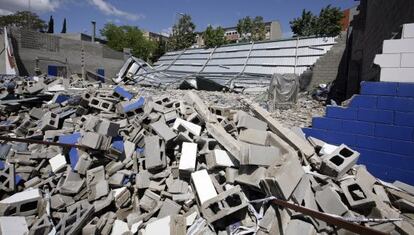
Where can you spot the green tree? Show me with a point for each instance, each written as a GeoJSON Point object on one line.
{"type": "Point", "coordinates": [64, 26]}
{"type": "Point", "coordinates": [120, 37]}
{"type": "Point", "coordinates": [160, 49]}
{"type": "Point", "coordinates": [251, 29]}
{"type": "Point", "coordinates": [51, 25]}
{"type": "Point", "coordinates": [214, 37]}
{"type": "Point", "coordinates": [306, 25]}
{"type": "Point", "coordinates": [23, 19]}
{"type": "Point", "coordinates": [328, 23]}
{"type": "Point", "coordinates": [183, 35]}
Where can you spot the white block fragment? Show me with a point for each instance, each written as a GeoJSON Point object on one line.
{"type": "Point", "coordinates": [408, 31]}
{"type": "Point", "coordinates": [193, 128]}
{"type": "Point", "coordinates": [388, 60]}
{"type": "Point", "coordinates": [24, 196]}
{"type": "Point", "coordinates": [203, 185]}
{"type": "Point", "coordinates": [129, 149]}
{"type": "Point", "coordinates": [398, 46]}
{"type": "Point", "coordinates": [120, 227]}
{"type": "Point", "coordinates": [57, 162]}
{"type": "Point", "coordinates": [328, 149]}
{"type": "Point", "coordinates": [188, 156]}
{"type": "Point", "coordinates": [407, 60]}
{"type": "Point", "coordinates": [222, 158]}
{"type": "Point", "coordinates": [15, 225]}
{"type": "Point", "coordinates": [161, 226]}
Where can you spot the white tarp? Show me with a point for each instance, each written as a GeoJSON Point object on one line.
{"type": "Point", "coordinates": [9, 56]}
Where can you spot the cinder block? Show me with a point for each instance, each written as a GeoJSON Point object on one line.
{"type": "Point", "coordinates": [407, 60]}
{"type": "Point", "coordinates": [203, 186]}
{"type": "Point", "coordinates": [377, 116]}
{"type": "Point", "coordinates": [397, 74]}
{"type": "Point", "coordinates": [253, 136]}
{"type": "Point", "coordinates": [396, 103]}
{"type": "Point", "coordinates": [341, 113]}
{"type": "Point", "coordinates": [388, 60]}
{"type": "Point", "coordinates": [379, 88]}
{"type": "Point", "coordinates": [394, 132]}
{"type": "Point", "coordinates": [363, 101]}
{"type": "Point", "coordinates": [317, 133]}
{"type": "Point", "coordinates": [330, 201]}
{"type": "Point", "coordinates": [259, 155]}
{"type": "Point", "coordinates": [188, 157]}
{"type": "Point", "coordinates": [402, 147]}
{"type": "Point", "coordinates": [408, 31]}
{"type": "Point", "coordinates": [163, 130]}
{"type": "Point", "coordinates": [374, 143]}
{"type": "Point", "coordinates": [338, 138]}
{"type": "Point", "coordinates": [398, 45]}
{"type": "Point", "coordinates": [121, 92]}
{"type": "Point", "coordinates": [13, 225]}
{"type": "Point", "coordinates": [247, 121]}
{"type": "Point", "coordinates": [357, 195]}
{"type": "Point", "coordinates": [405, 90]}
{"type": "Point", "coordinates": [57, 163]}
{"type": "Point", "coordinates": [23, 203]}
{"type": "Point", "coordinates": [339, 162]}
{"type": "Point", "coordinates": [193, 128]}
{"type": "Point", "coordinates": [327, 123]}
{"type": "Point", "coordinates": [154, 152]}
{"type": "Point", "coordinates": [356, 127]}
{"type": "Point", "coordinates": [218, 158]}
{"type": "Point", "coordinates": [50, 121]}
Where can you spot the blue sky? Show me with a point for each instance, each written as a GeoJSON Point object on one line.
{"type": "Point", "coordinates": [160, 15]}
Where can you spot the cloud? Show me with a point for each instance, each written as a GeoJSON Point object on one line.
{"type": "Point", "coordinates": [166, 32]}
{"type": "Point", "coordinates": [5, 12]}
{"type": "Point", "coordinates": [109, 9]}
{"type": "Point", "coordinates": [35, 5]}
{"type": "Point", "coordinates": [115, 21]}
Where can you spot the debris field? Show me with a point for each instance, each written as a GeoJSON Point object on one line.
{"type": "Point", "coordinates": [80, 158]}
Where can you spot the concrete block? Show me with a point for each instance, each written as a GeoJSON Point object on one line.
{"type": "Point", "coordinates": [405, 90]}
{"type": "Point", "coordinates": [332, 124]}
{"type": "Point", "coordinates": [95, 141]}
{"type": "Point", "coordinates": [23, 203]}
{"type": "Point", "coordinates": [406, 187]}
{"type": "Point", "coordinates": [341, 113]}
{"type": "Point", "coordinates": [96, 184]}
{"type": "Point", "coordinates": [402, 104]}
{"type": "Point", "coordinates": [358, 196]}
{"type": "Point", "coordinates": [41, 226]}
{"type": "Point", "coordinates": [227, 206]}
{"type": "Point", "coordinates": [374, 143]}
{"type": "Point", "coordinates": [73, 221]}
{"type": "Point", "coordinates": [407, 60]}
{"type": "Point", "coordinates": [7, 179]}
{"type": "Point", "coordinates": [408, 31]}
{"type": "Point", "coordinates": [169, 225]}
{"type": "Point", "coordinates": [379, 88]}
{"type": "Point", "coordinates": [330, 202]}
{"type": "Point", "coordinates": [300, 227]}
{"type": "Point", "coordinates": [281, 180]}
{"type": "Point", "coordinates": [149, 201]}
{"type": "Point", "coordinates": [225, 139]}
{"type": "Point", "coordinates": [388, 60]}
{"type": "Point", "coordinates": [398, 46]}
{"type": "Point", "coordinates": [249, 122]}
{"type": "Point", "coordinates": [73, 183]}
{"type": "Point", "coordinates": [203, 186]}
{"type": "Point", "coordinates": [131, 107]}
{"type": "Point", "coordinates": [259, 155]}
{"type": "Point", "coordinates": [57, 163]}
{"type": "Point", "coordinates": [121, 92]}
{"type": "Point", "coordinates": [397, 74]}
{"type": "Point", "coordinates": [253, 136]}
{"type": "Point", "coordinates": [154, 152]}
{"type": "Point", "coordinates": [101, 104]}
{"type": "Point", "coordinates": [49, 121]}
{"type": "Point", "coordinates": [363, 101]}
{"type": "Point", "coordinates": [188, 157]}
{"type": "Point", "coordinates": [339, 162]}
{"type": "Point", "coordinates": [120, 227]}
{"type": "Point", "coordinates": [404, 119]}
{"type": "Point", "coordinates": [143, 179]}
{"type": "Point", "coordinates": [15, 225]}
{"type": "Point", "coordinates": [377, 116]}
{"type": "Point", "coordinates": [357, 127]}
{"type": "Point", "coordinates": [108, 128]}
{"type": "Point", "coordinates": [394, 132]}
{"type": "Point", "coordinates": [193, 128]}
{"type": "Point", "coordinates": [219, 158]}
{"type": "Point", "coordinates": [163, 130]}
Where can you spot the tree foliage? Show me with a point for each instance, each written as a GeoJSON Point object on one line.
{"type": "Point", "coordinates": [23, 19]}
{"type": "Point", "coordinates": [183, 35]}
{"type": "Point", "coordinates": [160, 49]}
{"type": "Point", "coordinates": [214, 37]}
{"type": "Point", "coordinates": [120, 37]}
{"type": "Point", "coordinates": [51, 25]}
{"type": "Point", "coordinates": [64, 26]}
{"type": "Point", "coordinates": [328, 23]}
{"type": "Point", "coordinates": [251, 29]}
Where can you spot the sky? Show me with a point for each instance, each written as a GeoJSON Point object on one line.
{"type": "Point", "coordinates": [159, 15]}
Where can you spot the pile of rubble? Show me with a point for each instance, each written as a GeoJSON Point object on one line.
{"type": "Point", "coordinates": [84, 159]}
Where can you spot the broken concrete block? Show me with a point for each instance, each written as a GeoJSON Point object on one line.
{"type": "Point", "coordinates": [7, 179]}
{"type": "Point", "coordinates": [169, 208]}
{"type": "Point", "coordinates": [121, 92]}
{"type": "Point", "coordinates": [169, 225]}
{"type": "Point", "coordinates": [178, 186]}
{"type": "Point", "coordinates": [57, 163]}
{"type": "Point", "coordinates": [41, 226]}
{"type": "Point", "coordinates": [154, 153]}
{"type": "Point", "coordinates": [120, 227]}
{"type": "Point", "coordinates": [15, 225]}
{"type": "Point", "coordinates": [191, 127]}
{"type": "Point", "coordinates": [281, 180]}
{"type": "Point", "coordinates": [259, 155]}
{"type": "Point", "coordinates": [225, 139]}
{"type": "Point", "coordinates": [95, 141]}
{"type": "Point", "coordinates": [330, 201]}
{"type": "Point", "coordinates": [96, 183]}
{"type": "Point", "coordinates": [339, 162]}
{"type": "Point", "coordinates": [143, 179]}
{"type": "Point", "coordinates": [108, 128]}
{"type": "Point", "coordinates": [74, 220]}
{"type": "Point", "coordinates": [101, 104]}
{"type": "Point", "coordinates": [407, 188]}
{"type": "Point", "coordinates": [203, 186]}
{"type": "Point", "coordinates": [149, 201]}
{"type": "Point", "coordinates": [23, 203]}
{"type": "Point", "coordinates": [188, 157]}
{"type": "Point", "coordinates": [253, 136]}
{"type": "Point", "coordinates": [73, 183]}
{"type": "Point", "coordinates": [357, 195]}
{"type": "Point", "coordinates": [300, 227]}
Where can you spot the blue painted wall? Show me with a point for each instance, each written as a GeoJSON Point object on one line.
{"type": "Point", "coordinates": [379, 123]}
